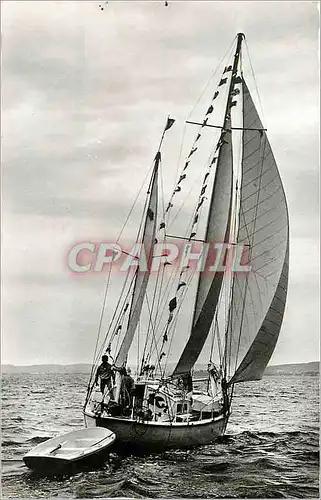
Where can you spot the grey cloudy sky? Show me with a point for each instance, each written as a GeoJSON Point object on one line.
{"type": "Point", "coordinates": [85, 95]}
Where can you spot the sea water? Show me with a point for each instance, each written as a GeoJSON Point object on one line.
{"type": "Point", "coordinates": [270, 450]}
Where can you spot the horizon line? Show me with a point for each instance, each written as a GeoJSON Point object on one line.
{"type": "Point", "coordinates": [90, 364]}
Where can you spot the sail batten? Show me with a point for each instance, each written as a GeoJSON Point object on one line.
{"type": "Point", "coordinates": [259, 297]}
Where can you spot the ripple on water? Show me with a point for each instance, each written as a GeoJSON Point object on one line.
{"type": "Point", "coordinates": [265, 453]}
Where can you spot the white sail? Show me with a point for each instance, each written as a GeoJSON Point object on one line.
{"type": "Point", "coordinates": [259, 296]}
{"type": "Point", "coordinates": [209, 285]}
{"type": "Point", "coordinates": [142, 277]}
{"type": "Point", "coordinates": [217, 231]}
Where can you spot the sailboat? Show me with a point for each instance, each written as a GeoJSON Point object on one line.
{"type": "Point", "coordinates": [240, 207]}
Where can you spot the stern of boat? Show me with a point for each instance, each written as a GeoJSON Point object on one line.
{"type": "Point", "coordinates": [90, 419]}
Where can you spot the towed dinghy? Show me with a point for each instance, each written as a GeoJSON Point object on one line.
{"type": "Point", "coordinates": [77, 448]}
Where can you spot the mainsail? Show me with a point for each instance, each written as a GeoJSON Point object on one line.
{"type": "Point", "coordinates": [258, 297]}
{"type": "Point", "coordinates": [217, 231]}
{"type": "Point", "coordinates": [141, 280]}
{"type": "Point", "coordinates": [209, 285]}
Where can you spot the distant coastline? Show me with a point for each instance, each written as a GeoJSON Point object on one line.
{"type": "Point", "coordinates": [312, 368]}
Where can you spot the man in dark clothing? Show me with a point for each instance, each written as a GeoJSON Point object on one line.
{"type": "Point", "coordinates": [187, 381]}
{"type": "Point", "coordinates": [127, 388]}
{"type": "Point", "coordinates": [106, 375]}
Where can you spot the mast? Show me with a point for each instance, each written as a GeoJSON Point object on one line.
{"type": "Point", "coordinates": [240, 37]}
{"type": "Point", "coordinates": [217, 230]}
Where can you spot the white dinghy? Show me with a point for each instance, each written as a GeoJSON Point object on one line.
{"type": "Point", "coordinates": [77, 448]}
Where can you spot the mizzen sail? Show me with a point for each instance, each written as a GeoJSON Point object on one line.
{"type": "Point", "coordinates": [142, 277]}
{"type": "Point", "coordinates": [258, 299]}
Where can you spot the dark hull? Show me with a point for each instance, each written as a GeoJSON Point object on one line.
{"type": "Point", "coordinates": [154, 436]}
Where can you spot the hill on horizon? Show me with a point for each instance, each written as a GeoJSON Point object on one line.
{"type": "Point", "coordinates": [312, 367]}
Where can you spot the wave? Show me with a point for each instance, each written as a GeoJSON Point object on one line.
{"type": "Point", "coordinates": [38, 439]}
{"type": "Point", "coordinates": [17, 419]}
{"type": "Point", "coordinates": [10, 442]}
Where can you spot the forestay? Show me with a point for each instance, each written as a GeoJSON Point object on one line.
{"type": "Point", "coordinates": [259, 296]}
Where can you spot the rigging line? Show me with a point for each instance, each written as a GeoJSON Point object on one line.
{"type": "Point", "coordinates": [235, 227]}
{"type": "Point", "coordinates": [264, 199]}
{"type": "Point", "coordinates": [162, 185]}
{"type": "Point", "coordinates": [209, 165]}
{"type": "Point", "coordinates": [256, 211]}
{"type": "Point", "coordinates": [118, 310]}
{"type": "Point", "coordinates": [274, 207]}
{"type": "Point", "coordinates": [219, 305]}
{"type": "Point", "coordinates": [250, 252]}
{"type": "Point", "coordinates": [219, 344]}
{"type": "Point", "coordinates": [247, 292]}
{"type": "Point", "coordinates": [151, 309]}
{"type": "Point", "coordinates": [213, 337]}
{"type": "Point", "coordinates": [144, 357]}
{"type": "Point", "coordinates": [253, 75]}
{"type": "Point", "coordinates": [153, 333]}
{"type": "Point", "coordinates": [227, 53]}
{"type": "Point", "coordinates": [99, 329]}
{"type": "Point", "coordinates": [174, 276]}
{"type": "Point", "coordinates": [159, 293]}
{"type": "Point", "coordinates": [142, 231]}
{"type": "Point", "coordinates": [151, 353]}
{"type": "Point", "coordinates": [174, 325]}
{"type": "Point", "coordinates": [191, 219]}
{"type": "Point", "coordinates": [112, 335]}
{"type": "Point", "coordinates": [151, 324]}
{"type": "Point", "coordinates": [179, 159]}
{"type": "Point", "coordinates": [234, 278]}
{"type": "Point", "coordinates": [263, 187]}
{"type": "Point", "coordinates": [158, 274]}
{"type": "Point", "coordinates": [172, 280]}
{"type": "Point", "coordinates": [138, 338]}
{"type": "Point", "coordinates": [121, 309]}
{"type": "Point", "coordinates": [197, 179]}
{"type": "Point", "coordinates": [162, 273]}
{"type": "Point", "coordinates": [271, 235]}
{"type": "Point", "coordinates": [108, 278]}
{"type": "Point", "coordinates": [226, 125]}
{"type": "Point", "coordinates": [279, 243]}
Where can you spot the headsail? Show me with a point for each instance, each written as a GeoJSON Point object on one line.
{"type": "Point", "coordinates": [141, 280]}
{"type": "Point", "coordinates": [259, 296]}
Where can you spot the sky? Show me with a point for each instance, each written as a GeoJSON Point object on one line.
{"type": "Point", "coordinates": [85, 95]}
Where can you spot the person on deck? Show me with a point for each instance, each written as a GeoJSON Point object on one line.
{"type": "Point", "coordinates": [164, 417]}
{"type": "Point", "coordinates": [106, 375]}
{"type": "Point", "coordinates": [188, 382]}
{"type": "Point", "coordinates": [127, 388]}
{"type": "Point", "coordinates": [188, 387]}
